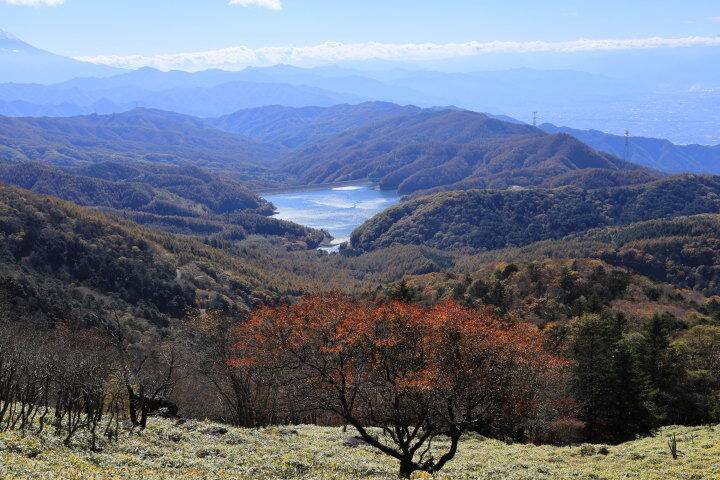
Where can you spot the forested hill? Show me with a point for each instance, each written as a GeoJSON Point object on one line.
{"type": "Point", "coordinates": [413, 150]}
{"type": "Point", "coordinates": [162, 189]}
{"type": "Point", "coordinates": [137, 135]}
{"type": "Point", "coordinates": [682, 251]}
{"type": "Point", "coordinates": [62, 262]}
{"type": "Point", "coordinates": [451, 149]}
{"type": "Point", "coordinates": [294, 127]}
{"type": "Point", "coordinates": [491, 219]}
{"type": "Point", "coordinates": [178, 199]}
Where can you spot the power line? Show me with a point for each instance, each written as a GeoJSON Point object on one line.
{"type": "Point", "coordinates": [626, 153]}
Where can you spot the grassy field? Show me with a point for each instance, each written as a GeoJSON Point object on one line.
{"type": "Point", "coordinates": [190, 451]}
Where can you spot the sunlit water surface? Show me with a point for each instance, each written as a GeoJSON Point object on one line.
{"type": "Point", "coordinates": [338, 210]}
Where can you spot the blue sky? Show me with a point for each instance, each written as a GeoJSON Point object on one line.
{"type": "Point", "coordinates": [152, 27]}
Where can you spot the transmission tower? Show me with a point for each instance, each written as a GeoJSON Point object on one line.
{"type": "Point", "coordinates": [626, 153]}
{"type": "Point", "coordinates": [535, 119]}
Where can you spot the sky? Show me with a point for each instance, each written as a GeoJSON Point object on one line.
{"type": "Point", "coordinates": [137, 32]}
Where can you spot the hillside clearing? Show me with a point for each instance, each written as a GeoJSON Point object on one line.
{"type": "Point", "coordinates": [190, 451]}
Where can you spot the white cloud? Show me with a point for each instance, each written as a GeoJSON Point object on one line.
{"type": "Point", "coordinates": [240, 57]}
{"type": "Point", "coordinates": [269, 4]}
{"type": "Point", "coordinates": [714, 19]}
{"type": "Point", "coordinates": [36, 3]}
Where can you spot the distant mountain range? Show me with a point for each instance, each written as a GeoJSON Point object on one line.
{"type": "Point", "coordinates": [502, 92]}
{"type": "Point", "coordinates": [23, 63]}
{"type": "Point", "coordinates": [416, 151]}
{"type": "Point", "coordinates": [298, 127]}
{"type": "Point", "coordinates": [678, 109]}
{"type": "Point", "coordinates": [205, 101]}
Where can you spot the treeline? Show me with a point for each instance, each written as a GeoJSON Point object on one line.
{"type": "Point", "coordinates": [545, 291]}
{"type": "Point", "coordinates": [90, 383]}
{"type": "Point", "coordinates": [487, 219]}
{"type": "Point", "coordinates": [627, 381]}
{"type": "Point", "coordinates": [56, 380]}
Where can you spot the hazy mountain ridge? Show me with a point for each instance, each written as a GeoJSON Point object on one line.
{"type": "Point", "coordinates": [401, 147]}
{"type": "Point", "coordinates": [137, 135]}
{"type": "Point", "coordinates": [582, 95]}
{"type": "Point", "coordinates": [652, 152]}
{"type": "Point", "coordinates": [21, 62]}
{"type": "Point", "coordinates": [448, 149]}
{"type": "Point", "coordinates": [293, 127]}
{"type": "Point", "coordinates": [202, 100]}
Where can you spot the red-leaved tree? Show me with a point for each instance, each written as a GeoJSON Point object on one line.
{"type": "Point", "coordinates": [401, 374]}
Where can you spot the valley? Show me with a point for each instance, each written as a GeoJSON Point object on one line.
{"type": "Point", "coordinates": [358, 268]}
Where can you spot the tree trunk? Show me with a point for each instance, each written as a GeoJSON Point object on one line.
{"type": "Point", "coordinates": [132, 406]}
{"type": "Point", "coordinates": [407, 467]}
{"type": "Point", "coordinates": [143, 416]}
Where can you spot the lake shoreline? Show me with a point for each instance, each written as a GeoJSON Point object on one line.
{"type": "Point", "coordinates": [336, 208]}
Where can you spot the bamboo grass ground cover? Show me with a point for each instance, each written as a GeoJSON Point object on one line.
{"type": "Point", "coordinates": [166, 451]}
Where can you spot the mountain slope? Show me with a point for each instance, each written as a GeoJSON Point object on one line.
{"type": "Point", "coordinates": [138, 135]}
{"type": "Point", "coordinates": [185, 200]}
{"type": "Point", "coordinates": [491, 219]}
{"type": "Point", "coordinates": [23, 63]}
{"type": "Point", "coordinates": [449, 149]}
{"type": "Point", "coordinates": [75, 264]}
{"type": "Point", "coordinates": [142, 187]}
{"type": "Point", "coordinates": [293, 127]}
{"type": "Point", "coordinates": [656, 153]}
{"type": "Point", "coordinates": [682, 251]}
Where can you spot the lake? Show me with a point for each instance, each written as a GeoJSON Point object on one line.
{"type": "Point", "coordinates": [338, 210]}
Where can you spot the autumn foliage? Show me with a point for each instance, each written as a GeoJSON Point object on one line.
{"type": "Point", "coordinates": [413, 372]}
